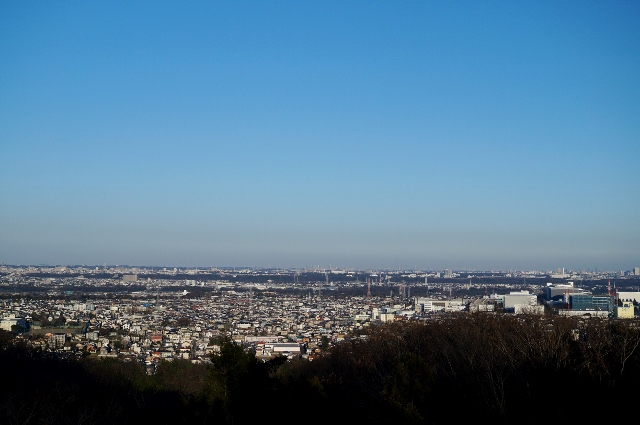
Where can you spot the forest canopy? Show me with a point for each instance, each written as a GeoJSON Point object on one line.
{"type": "Point", "coordinates": [507, 368]}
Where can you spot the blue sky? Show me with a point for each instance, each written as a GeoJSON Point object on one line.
{"type": "Point", "coordinates": [357, 134]}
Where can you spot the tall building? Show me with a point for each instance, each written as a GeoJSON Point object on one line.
{"type": "Point", "coordinates": [58, 339]}
{"type": "Point", "coordinates": [636, 271]}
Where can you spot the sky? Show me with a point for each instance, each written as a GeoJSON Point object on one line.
{"type": "Point", "coordinates": [480, 135]}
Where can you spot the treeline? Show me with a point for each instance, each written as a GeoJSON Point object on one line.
{"type": "Point", "coordinates": [480, 368]}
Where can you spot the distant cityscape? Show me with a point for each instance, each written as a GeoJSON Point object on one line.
{"type": "Point", "coordinates": [151, 314]}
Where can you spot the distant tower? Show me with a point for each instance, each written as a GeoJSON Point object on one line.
{"type": "Point", "coordinates": [368, 290]}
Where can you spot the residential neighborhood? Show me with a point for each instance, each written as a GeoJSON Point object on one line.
{"type": "Point", "coordinates": [116, 313]}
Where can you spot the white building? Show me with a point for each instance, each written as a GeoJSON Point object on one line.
{"type": "Point", "coordinates": [529, 309]}
{"type": "Point", "coordinates": [519, 298]}
{"type": "Point", "coordinates": [629, 296]}
{"type": "Point", "coordinates": [283, 348]}
{"type": "Point", "coordinates": [430, 305]}
{"type": "Point", "coordinates": [83, 307]}
{"type": "Point", "coordinates": [387, 317]}
{"type": "Point", "coordinates": [482, 304]}
{"type": "Point", "coordinates": [7, 322]}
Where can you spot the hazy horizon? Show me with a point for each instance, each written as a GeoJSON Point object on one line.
{"type": "Point", "coordinates": [316, 268]}
{"type": "Point", "coordinates": [462, 135]}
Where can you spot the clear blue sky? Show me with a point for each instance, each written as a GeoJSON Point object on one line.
{"type": "Point", "coordinates": [354, 134]}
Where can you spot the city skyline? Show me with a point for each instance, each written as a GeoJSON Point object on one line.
{"type": "Point", "coordinates": [374, 273]}
{"type": "Point", "coordinates": [375, 135]}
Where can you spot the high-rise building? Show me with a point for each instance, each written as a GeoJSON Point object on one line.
{"type": "Point", "coordinates": [636, 271]}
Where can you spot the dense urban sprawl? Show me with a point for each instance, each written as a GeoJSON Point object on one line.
{"type": "Point", "coordinates": [148, 316]}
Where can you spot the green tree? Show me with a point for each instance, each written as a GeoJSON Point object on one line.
{"type": "Point", "coordinates": [5, 338]}
{"type": "Point", "coordinates": [231, 365]}
{"type": "Point", "coordinates": [181, 376]}
{"type": "Point", "coordinates": [59, 321]}
{"type": "Point", "coordinates": [233, 378]}
{"type": "Point", "coordinates": [183, 321]}
{"type": "Point", "coordinates": [324, 342]}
